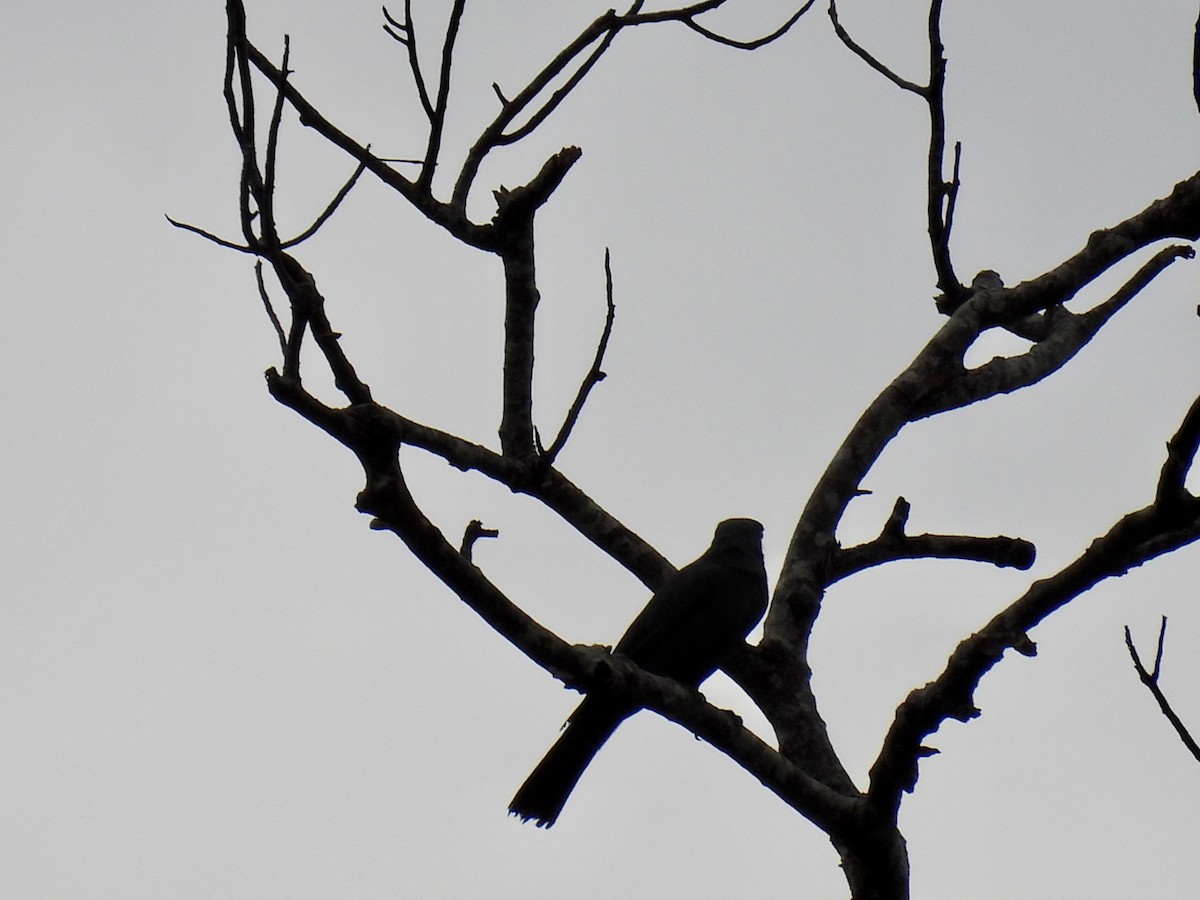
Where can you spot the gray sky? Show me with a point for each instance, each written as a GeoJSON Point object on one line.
{"type": "Point", "coordinates": [216, 682]}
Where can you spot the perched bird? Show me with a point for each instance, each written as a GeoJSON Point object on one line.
{"type": "Point", "coordinates": [695, 619]}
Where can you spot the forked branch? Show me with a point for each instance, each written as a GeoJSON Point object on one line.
{"type": "Point", "coordinates": [1150, 680]}
{"type": "Point", "coordinates": [894, 544]}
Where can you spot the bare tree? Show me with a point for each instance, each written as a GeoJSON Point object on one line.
{"type": "Point", "coordinates": [802, 766]}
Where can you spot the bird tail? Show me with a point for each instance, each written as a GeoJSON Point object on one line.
{"type": "Point", "coordinates": [544, 792]}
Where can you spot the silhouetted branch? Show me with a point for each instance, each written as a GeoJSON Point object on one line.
{"type": "Point", "coordinates": [474, 532]}
{"type": "Point", "coordinates": [386, 497]}
{"type": "Point", "coordinates": [209, 236]}
{"type": "Point", "coordinates": [951, 189]}
{"type": "Point", "coordinates": [437, 121]}
{"type": "Point", "coordinates": [453, 220]}
{"type": "Point", "coordinates": [893, 544]}
{"type": "Point", "coordinates": [328, 211]}
{"type": "Point", "coordinates": [1181, 455]}
{"type": "Point", "coordinates": [1150, 680]}
{"type": "Point", "coordinates": [940, 194]}
{"type": "Point", "coordinates": [406, 34]}
{"type": "Point", "coordinates": [267, 201]}
{"type": "Point", "coordinates": [600, 33]}
{"type": "Point", "coordinates": [865, 55]}
{"type": "Point", "coordinates": [1174, 216]}
{"type": "Point", "coordinates": [594, 375]}
{"type": "Point", "coordinates": [751, 44]}
{"type": "Point", "coordinates": [1066, 333]}
{"type": "Point", "coordinates": [266, 299]}
{"type": "Point", "coordinates": [1137, 538]}
{"type": "Point", "coordinates": [241, 116]}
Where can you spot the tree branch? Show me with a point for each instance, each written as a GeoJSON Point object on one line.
{"type": "Point", "coordinates": [751, 44]}
{"type": "Point", "coordinates": [1066, 333]}
{"type": "Point", "coordinates": [1150, 680]}
{"type": "Point", "coordinates": [865, 55]}
{"type": "Point", "coordinates": [1137, 538]}
{"type": "Point", "coordinates": [328, 211]}
{"type": "Point", "coordinates": [453, 220]}
{"type": "Point", "coordinates": [601, 33]}
{"type": "Point", "coordinates": [474, 532]}
{"type": "Point", "coordinates": [1181, 456]}
{"type": "Point", "coordinates": [1174, 216]}
{"type": "Point", "coordinates": [437, 121]}
{"type": "Point", "coordinates": [594, 375]}
{"type": "Point", "coordinates": [405, 32]}
{"type": "Point", "coordinates": [893, 544]}
{"type": "Point", "coordinates": [940, 195]}
{"type": "Point", "coordinates": [209, 236]}
{"type": "Point", "coordinates": [266, 300]}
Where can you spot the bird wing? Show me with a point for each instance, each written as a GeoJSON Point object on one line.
{"type": "Point", "coordinates": [671, 606]}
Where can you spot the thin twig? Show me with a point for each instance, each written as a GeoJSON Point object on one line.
{"type": "Point", "coordinates": [863, 54]}
{"type": "Point", "coordinates": [241, 116]}
{"type": "Point", "coordinates": [1150, 680]}
{"type": "Point", "coordinates": [595, 374]}
{"type": "Point", "coordinates": [267, 201]}
{"type": "Point", "coordinates": [266, 299]}
{"type": "Point", "coordinates": [437, 120]}
{"type": "Point", "coordinates": [594, 40]}
{"type": "Point", "coordinates": [209, 236]}
{"type": "Point", "coordinates": [558, 96]}
{"type": "Point", "coordinates": [751, 44]}
{"type": "Point", "coordinates": [406, 34]}
{"type": "Point", "coordinates": [952, 193]}
{"type": "Point", "coordinates": [329, 210]}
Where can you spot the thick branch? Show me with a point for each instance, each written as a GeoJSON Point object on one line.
{"type": "Point", "coordinates": [1181, 456]}
{"type": "Point", "coordinates": [1065, 334]}
{"type": "Point", "coordinates": [514, 225]}
{"type": "Point", "coordinates": [308, 309]}
{"type": "Point", "coordinates": [549, 486]}
{"type": "Point", "coordinates": [810, 565]}
{"type": "Point", "coordinates": [1174, 216]}
{"type": "Point", "coordinates": [368, 431]}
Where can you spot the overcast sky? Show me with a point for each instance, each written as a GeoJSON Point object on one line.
{"type": "Point", "coordinates": [217, 682]}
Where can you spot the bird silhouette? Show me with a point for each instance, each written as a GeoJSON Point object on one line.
{"type": "Point", "coordinates": [697, 616]}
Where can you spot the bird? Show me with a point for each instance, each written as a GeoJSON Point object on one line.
{"type": "Point", "coordinates": [685, 632]}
